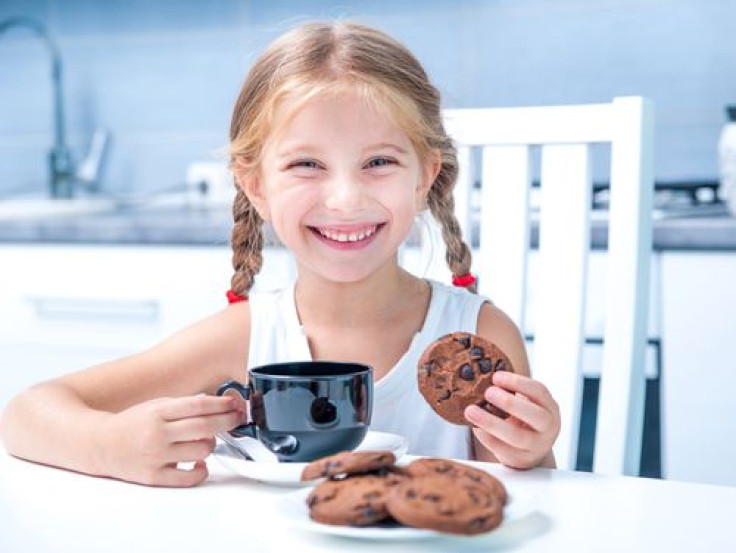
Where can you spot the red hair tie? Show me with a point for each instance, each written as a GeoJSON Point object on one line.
{"type": "Point", "coordinates": [232, 297]}
{"type": "Point", "coordinates": [463, 281]}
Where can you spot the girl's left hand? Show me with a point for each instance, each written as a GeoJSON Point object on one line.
{"type": "Point", "coordinates": [525, 438]}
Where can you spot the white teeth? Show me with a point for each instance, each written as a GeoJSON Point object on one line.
{"type": "Point", "coordinates": [347, 237]}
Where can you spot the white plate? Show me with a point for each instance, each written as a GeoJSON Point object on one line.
{"type": "Point", "coordinates": [293, 507]}
{"type": "Point", "coordinates": [290, 473]}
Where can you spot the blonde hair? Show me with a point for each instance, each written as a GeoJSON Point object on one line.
{"type": "Point", "coordinates": [320, 58]}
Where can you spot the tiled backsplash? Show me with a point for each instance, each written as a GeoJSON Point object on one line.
{"type": "Point", "coordinates": [162, 76]}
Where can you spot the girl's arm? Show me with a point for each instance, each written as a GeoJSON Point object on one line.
{"type": "Point", "coordinates": [137, 417]}
{"type": "Point", "coordinates": [525, 438]}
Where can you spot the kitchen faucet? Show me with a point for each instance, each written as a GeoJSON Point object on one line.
{"type": "Point", "coordinates": [64, 173]}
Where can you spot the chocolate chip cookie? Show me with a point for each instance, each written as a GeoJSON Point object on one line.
{"type": "Point", "coordinates": [348, 462]}
{"type": "Point", "coordinates": [453, 469]}
{"type": "Point", "coordinates": [460, 508]}
{"type": "Point", "coordinates": [358, 500]}
{"type": "Point", "coordinates": [454, 372]}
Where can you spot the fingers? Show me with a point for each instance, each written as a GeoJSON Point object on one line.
{"type": "Point", "coordinates": [526, 436]}
{"type": "Point", "coordinates": [196, 406]}
{"type": "Point", "coordinates": [505, 430]}
{"type": "Point", "coordinates": [189, 452]}
{"type": "Point", "coordinates": [504, 453]}
{"type": "Point", "coordinates": [202, 427]}
{"type": "Point", "coordinates": [533, 389]}
{"type": "Point", "coordinates": [520, 407]}
{"type": "Point", "coordinates": [173, 477]}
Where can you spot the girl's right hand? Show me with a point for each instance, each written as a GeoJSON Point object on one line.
{"type": "Point", "coordinates": [145, 442]}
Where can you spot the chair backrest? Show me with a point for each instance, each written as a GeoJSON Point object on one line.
{"type": "Point", "coordinates": [507, 138]}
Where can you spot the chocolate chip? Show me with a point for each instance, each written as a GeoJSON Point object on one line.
{"type": "Point", "coordinates": [492, 409]}
{"type": "Point", "coordinates": [445, 396]}
{"type": "Point", "coordinates": [501, 365]}
{"type": "Point", "coordinates": [427, 367]}
{"type": "Point", "coordinates": [433, 497]}
{"type": "Point", "coordinates": [369, 512]}
{"type": "Point", "coordinates": [476, 352]}
{"type": "Point", "coordinates": [464, 341]}
{"type": "Point", "coordinates": [485, 366]}
{"type": "Point", "coordinates": [466, 372]}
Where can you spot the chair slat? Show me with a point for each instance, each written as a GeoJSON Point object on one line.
{"type": "Point", "coordinates": [564, 241]}
{"type": "Point", "coordinates": [501, 262]}
{"type": "Point", "coordinates": [618, 446]}
{"type": "Point", "coordinates": [532, 125]}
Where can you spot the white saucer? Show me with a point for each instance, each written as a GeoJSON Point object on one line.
{"type": "Point", "coordinates": [290, 473]}
{"type": "Point", "coordinates": [293, 507]}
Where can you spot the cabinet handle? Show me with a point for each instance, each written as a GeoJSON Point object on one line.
{"type": "Point", "coordinates": [92, 309]}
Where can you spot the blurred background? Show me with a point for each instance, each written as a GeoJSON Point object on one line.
{"type": "Point", "coordinates": [163, 76]}
{"type": "Point", "coordinates": [124, 106]}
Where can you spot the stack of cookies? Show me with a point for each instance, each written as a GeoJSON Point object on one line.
{"type": "Point", "coordinates": [364, 488]}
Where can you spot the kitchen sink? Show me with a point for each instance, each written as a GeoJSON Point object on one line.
{"type": "Point", "coordinates": [36, 207]}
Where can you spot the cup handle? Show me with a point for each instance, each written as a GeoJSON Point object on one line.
{"type": "Point", "coordinates": [243, 390]}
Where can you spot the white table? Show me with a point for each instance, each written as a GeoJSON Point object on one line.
{"type": "Point", "coordinates": [51, 510]}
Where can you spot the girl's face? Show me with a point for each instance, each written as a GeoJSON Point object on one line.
{"type": "Point", "coordinates": [340, 183]}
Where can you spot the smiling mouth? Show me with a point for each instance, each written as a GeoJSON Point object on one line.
{"type": "Point", "coordinates": [354, 236]}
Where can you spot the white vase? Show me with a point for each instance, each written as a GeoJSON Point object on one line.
{"type": "Point", "coordinates": [727, 161]}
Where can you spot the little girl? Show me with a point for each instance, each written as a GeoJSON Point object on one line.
{"type": "Point", "coordinates": [337, 142]}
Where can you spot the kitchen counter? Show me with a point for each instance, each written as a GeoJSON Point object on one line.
{"type": "Point", "coordinates": [211, 227]}
{"type": "Point", "coordinates": [164, 226]}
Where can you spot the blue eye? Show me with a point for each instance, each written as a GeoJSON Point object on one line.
{"type": "Point", "coordinates": [381, 162]}
{"type": "Point", "coordinates": [308, 163]}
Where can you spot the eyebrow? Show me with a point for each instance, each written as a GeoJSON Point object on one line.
{"type": "Point", "coordinates": [306, 149]}
{"type": "Point", "coordinates": [386, 145]}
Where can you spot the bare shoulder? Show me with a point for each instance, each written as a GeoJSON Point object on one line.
{"type": "Point", "coordinates": [194, 360]}
{"type": "Point", "coordinates": [496, 326]}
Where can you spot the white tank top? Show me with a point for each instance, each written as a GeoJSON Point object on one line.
{"type": "Point", "coordinates": [276, 336]}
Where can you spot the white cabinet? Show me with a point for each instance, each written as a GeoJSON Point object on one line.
{"type": "Point", "coordinates": [698, 296]}
{"type": "Point", "coordinates": [67, 307]}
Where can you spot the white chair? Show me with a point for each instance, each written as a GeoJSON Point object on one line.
{"type": "Point", "coordinates": [507, 137]}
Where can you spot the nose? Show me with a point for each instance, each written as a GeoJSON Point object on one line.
{"type": "Point", "coordinates": [343, 192]}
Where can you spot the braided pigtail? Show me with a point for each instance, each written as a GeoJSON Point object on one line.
{"type": "Point", "coordinates": [441, 204]}
{"type": "Point", "coordinates": [247, 244]}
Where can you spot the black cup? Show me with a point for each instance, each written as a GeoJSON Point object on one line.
{"type": "Point", "coordinates": [305, 410]}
